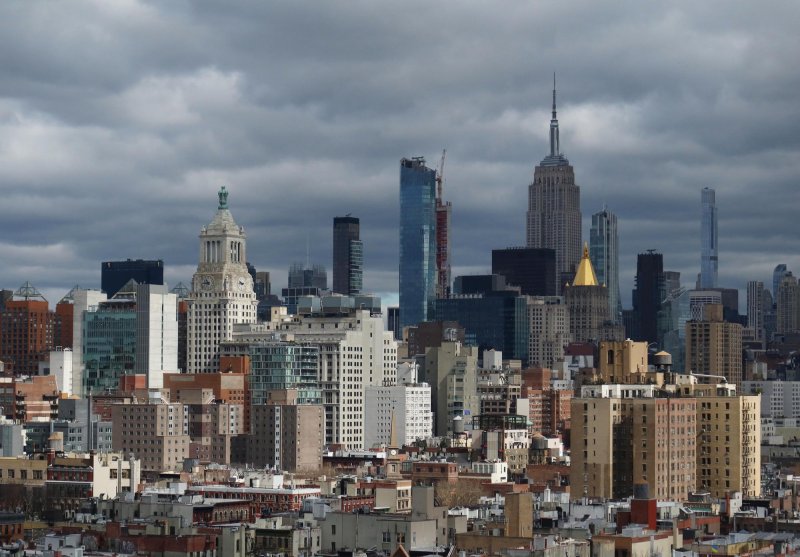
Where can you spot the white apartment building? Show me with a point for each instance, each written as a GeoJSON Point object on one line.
{"type": "Point", "coordinates": [156, 333]}
{"type": "Point", "coordinates": [355, 352]}
{"type": "Point", "coordinates": [779, 399]}
{"type": "Point", "coordinates": [400, 410]}
{"type": "Point", "coordinates": [548, 318]}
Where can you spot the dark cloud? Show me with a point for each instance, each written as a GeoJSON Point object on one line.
{"type": "Point", "coordinates": [119, 121]}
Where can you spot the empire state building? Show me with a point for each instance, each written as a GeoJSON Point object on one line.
{"type": "Point", "coordinates": [554, 206]}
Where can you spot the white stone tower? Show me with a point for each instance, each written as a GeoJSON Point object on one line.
{"type": "Point", "coordinates": [222, 290]}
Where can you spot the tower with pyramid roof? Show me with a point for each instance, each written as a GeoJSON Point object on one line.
{"type": "Point", "coordinates": [587, 303]}
{"type": "Point", "coordinates": [222, 293]}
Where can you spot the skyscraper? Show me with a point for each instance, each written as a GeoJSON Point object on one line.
{"type": "Point", "coordinates": [777, 276]}
{"type": "Point", "coordinates": [755, 308]}
{"type": "Point", "coordinates": [647, 296]}
{"type": "Point", "coordinates": [532, 269]}
{"type": "Point", "coordinates": [443, 211]}
{"type": "Point", "coordinates": [116, 274]}
{"type": "Point", "coordinates": [587, 302]}
{"type": "Point", "coordinates": [604, 253]}
{"type": "Point", "coordinates": [222, 290]}
{"type": "Point", "coordinates": [417, 241]}
{"type": "Point", "coordinates": [554, 206]}
{"type": "Point", "coordinates": [708, 240]}
{"type": "Point", "coordinates": [348, 256]}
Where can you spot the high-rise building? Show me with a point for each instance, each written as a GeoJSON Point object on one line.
{"type": "Point", "coordinates": [778, 273]}
{"type": "Point", "coordinates": [286, 434]}
{"type": "Point", "coordinates": [621, 441]}
{"type": "Point", "coordinates": [496, 317]}
{"type": "Point", "coordinates": [26, 331]}
{"type": "Point", "coordinates": [587, 302]}
{"type": "Point", "coordinates": [417, 241]}
{"type": "Point", "coordinates": [156, 432]}
{"type": "Point", "coordinates": [314, 276]}
{"type": "Point", "coordinates": [451, 370]}
{"type": "Point", "coordinates": [708, 240]}
{"type": "Point", "coordinates": [108, 344]}
{"type": "Point", "coordinates": [304, 281]}
{"type": "Point", "coordinates": [348, 256]}
{"type": "Point", "coordinates": [755, 308]}
{"type": "Point", "coordinates": [156, 333]}
{"type": "Point", "coordinates": [788, 305]}
{"type": "Point", "coordinates": [604, 252]}
{"type": "Point", "coordinates": [443, 213]}
{"type": "Point", "coordinates": [399, 414]}
{"type": "Point", "coordinates": [647, 296]}
{"type": "Point", "coordinates": [116, 274]}
{"type": "Point", "coordinates": [549, 331]}
{"type": "Point", "coordinates": [533, 270]}
{"type": "Point", "coordinates": [222, 290]}
{"type": "Point", "coordinates": [714, 346]}
{"type": "Point", "coordinates": [554, 205]}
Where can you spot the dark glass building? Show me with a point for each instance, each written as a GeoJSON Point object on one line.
{"type": "Point", "coordinates": [115, 274]}
{"type": "Point", "coordinates": [417, 241]}
{"type": "Point", "coordinates": [491, 319]}
{"type": "Point", "coordinates": [348, 256]}
{"type": "Point", "coordinates": [648, 294]}
{"type": "Point", "coordinates": [532, 269]}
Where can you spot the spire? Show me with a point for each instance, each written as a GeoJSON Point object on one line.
{"type": "Point", "coordinates": [585, 275]}
{"type": "Point", "coordinates": [555, 148]}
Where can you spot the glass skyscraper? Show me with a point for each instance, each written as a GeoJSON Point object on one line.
{"type": "Point", "coordinates": [417, 241]}
{"type": "Point", "coordinates": [604, 254]}
{"type": "Point", "coordinates": [348, 256]}
{"type": "Point", "coordinates": [708, 240]}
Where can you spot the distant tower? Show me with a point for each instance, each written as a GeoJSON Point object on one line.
{"type": "Point", "coordinates": [708, 240]}
{"type": "Point", "coordinates": [604, 252]}
{"type": "Point", "coordinates": [755, 308]}
{"type": "Point", "coordinates": [348, 256]}
{"type": "Point", "coordinates": [417, 241]}
{"type": "Point", "coordinates": [587, 302]}
{"type": "Point", "coordinates": [554, 206]}
{"type": "Point", "coordinates": [780, 271]}
{"type": "Point", "coordinates": [443, 211]}
{"type": "Point", "coordinates": [648, 295]}
{"type": "Point", "coordinates": [222, 290]}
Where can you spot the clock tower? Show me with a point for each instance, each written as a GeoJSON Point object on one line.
{"type": "Point", "coordinates": [222, 290]}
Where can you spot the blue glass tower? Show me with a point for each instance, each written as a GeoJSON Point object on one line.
{"type": "Point", "coordinates": [417, 241]}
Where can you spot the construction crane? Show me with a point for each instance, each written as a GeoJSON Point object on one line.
{"type": "Point", "coordinates": [440, 175]}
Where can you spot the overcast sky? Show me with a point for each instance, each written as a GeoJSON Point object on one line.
{"type": "Point", "coordinates": [120, 120]}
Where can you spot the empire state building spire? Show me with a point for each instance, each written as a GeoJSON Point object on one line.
{"type": "Point", "coordinates": [555, 148]}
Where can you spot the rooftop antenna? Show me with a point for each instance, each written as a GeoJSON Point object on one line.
{"type": "Point", "coordinates": [308, 254]}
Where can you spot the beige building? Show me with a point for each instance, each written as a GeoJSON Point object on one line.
{"type": "Point", "coordinates": [623, 362]}
{"type": "Point", "coordinates": [549, 330]}
{"type": "Point", "coordinates": [677, 439]}
{"type": "Point", "coordinates": [156, 432]}
{"type": "Point", "coordinates": [618, 442]}
{"type": "Point", "coordinates": [729, 443]}
{"type": "Point", "coordinates": [714, 346]}
{"type": "Point", "coordinates": [286, 435]}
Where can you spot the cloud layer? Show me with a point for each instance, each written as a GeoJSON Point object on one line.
{"type": "Point", "coordinates": [120, 120]}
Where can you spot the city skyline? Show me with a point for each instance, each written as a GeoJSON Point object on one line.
{"type": "Point", "coordinates": [112, 153]}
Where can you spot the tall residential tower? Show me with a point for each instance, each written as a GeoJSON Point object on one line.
{"type": "Point", "coordinates": [554, 206]}
{"type": "Point", "coordinates": [417, 241]}
{"type": "Point", "coordinates": [348, 256]}
{"type": "Point", "coordinates": [708, 240]}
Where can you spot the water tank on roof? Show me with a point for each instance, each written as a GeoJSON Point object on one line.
{"type": "Point", "coordinates": [458, 425]}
